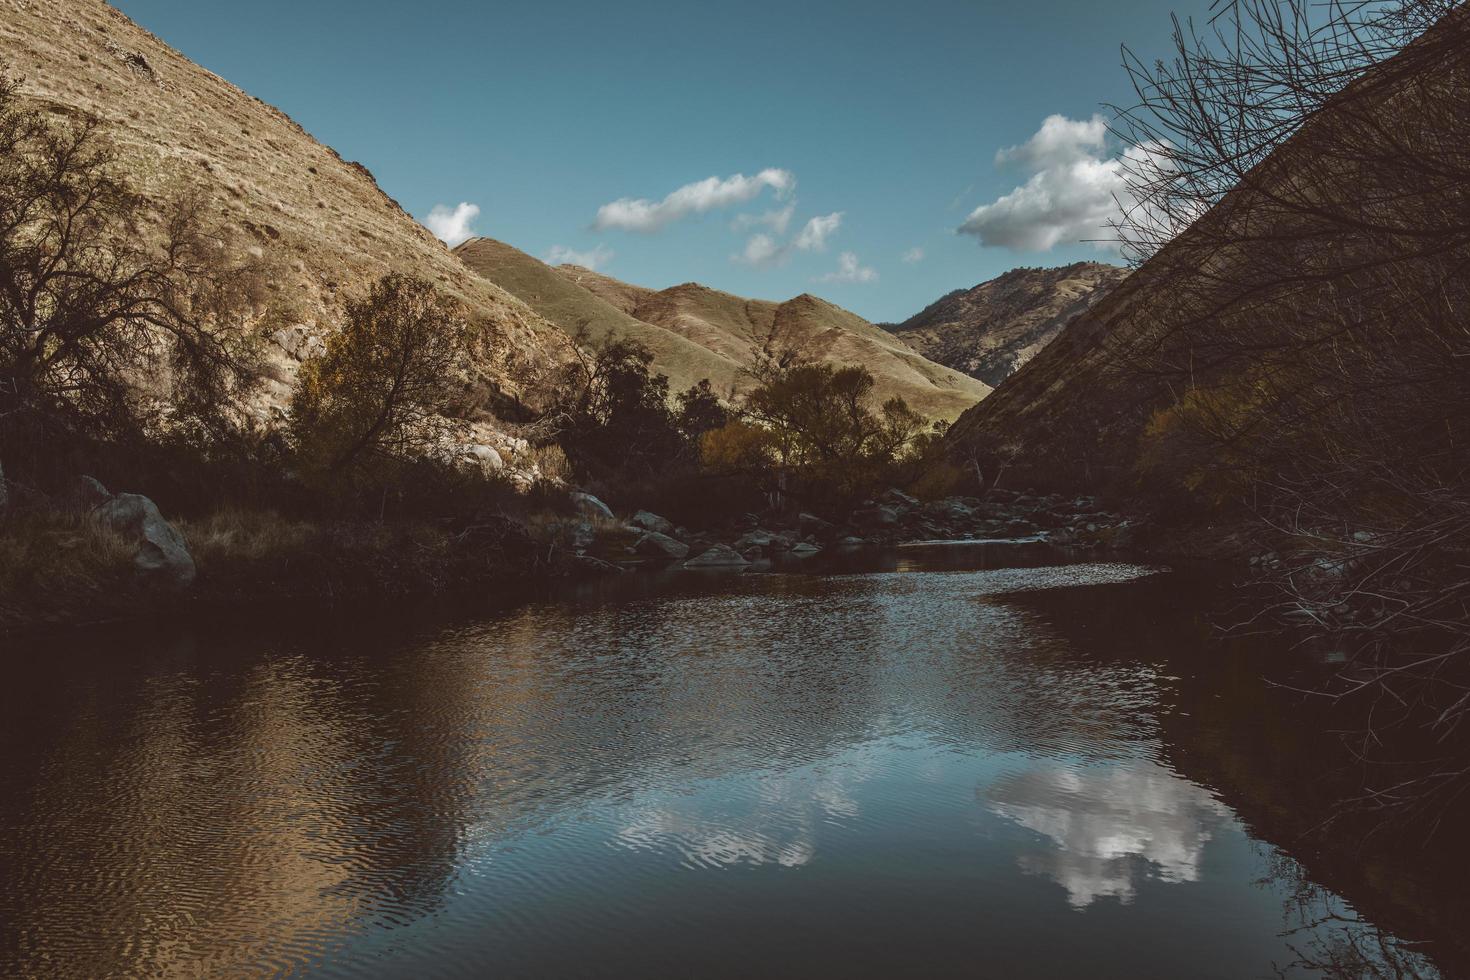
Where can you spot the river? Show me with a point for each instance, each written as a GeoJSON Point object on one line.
{"type": "Point", "coordinates": [945, 761]}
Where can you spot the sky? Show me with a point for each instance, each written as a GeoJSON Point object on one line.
{"type": "Point", "coordinates": [878, 154]}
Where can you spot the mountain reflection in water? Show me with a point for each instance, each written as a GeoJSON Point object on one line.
{"type": "Point", "coordinates": [906, 768]}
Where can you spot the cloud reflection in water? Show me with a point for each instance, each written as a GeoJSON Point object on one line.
{"type": "Point", "coordinates": [1110, 826]}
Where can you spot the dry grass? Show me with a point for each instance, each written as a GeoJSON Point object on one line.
{"type": "Point", "coordinates": [245, 536]}
{"type": "Point", "coordinates": [62, 567]}
{"type": "Point", "coordinates": [552, 463]}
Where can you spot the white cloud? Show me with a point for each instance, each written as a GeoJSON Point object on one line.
{"type": "Point", "coordinates": [452, 226]}
{"type": "Point", "coordinates": [594, 258]}
{"type": "Point", "coordinates": [814, 234]}
{"type": "Point", "coordinates": [764, 250]}
{"type": "Point", "coordinates": [1074, 193]}
{"type": "Point", "coordinates": [760, 250]}
{"type": "Point", "coordinates": [710, 194]}
{"type": "Point", "coordinates": [913, 256]}
{"type": "Point", "coordinates": [1059, 140]}
{"type": "Point", "coordinates": [850, 270]}
{"type": "Point", "coordinates": [777, 220]}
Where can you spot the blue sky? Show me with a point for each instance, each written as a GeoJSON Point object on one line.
{"type": "Point", "coordinates": [888, 114]}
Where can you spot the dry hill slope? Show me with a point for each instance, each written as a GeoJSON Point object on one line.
{"type": "Point", "coordinates": [581, 313]}
{"type": "Point", "coordinates": [323, 222]}
{"type": "Point", "coordinates": [1289, 302]}
{"type": "Point", "coordinates": [697, 332]}
{"type": "Point", "coordinates": [991, 330]}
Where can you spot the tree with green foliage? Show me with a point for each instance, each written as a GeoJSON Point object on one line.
{"type": "Point", "coordinates": [814, 431]}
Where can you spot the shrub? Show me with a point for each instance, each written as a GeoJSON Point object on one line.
{"type": "Point", "coordinates": [381, 389]}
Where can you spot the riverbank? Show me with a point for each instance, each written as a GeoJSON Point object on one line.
{"type": "Point", "coordinates": [66, 566]}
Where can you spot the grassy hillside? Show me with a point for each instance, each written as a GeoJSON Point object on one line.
{"type": "Point", "coordinates": [578, 310]}
{"type": "Point", "coordinates": [697, 332]}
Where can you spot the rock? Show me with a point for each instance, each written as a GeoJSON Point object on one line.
{"type": "Point", "coordinates": [299, 342]}
{"type": "Point", "coordinates": [759, 539]}
{"type": "Point", "coordinates": [803, 549]}
{"type": "Point", "coordinates": [1363, 537]}
{"type": "Point", "coordinates": [898, 498]}
{"type": "Point", "coordinates": [582, 536]}
{"type": "Point", "coordinates": [652, 522]}
{"type": "Point", "coordinates": [656, 545]}
{"type": "Point", "coordinates": [949, 509]}
{"type": "Point", "coordinates": [811, 524]}
{"type": "Point", "coordinates": [718, 556]}
{"type": "Point", "coordinates": [879, 515]}
{"type": "Point", "coordinates": [851, 541]}
{"type": "Point", "coordinates": [88, 492]}
{"type": "Point", "coordinates": [160, 550]}
{"type": "Point", "coordinates": [596, 566]}
{"type": "Point", "coordinates": [589, 506]}
{"type": "Point", "coordinates": [488, 458]}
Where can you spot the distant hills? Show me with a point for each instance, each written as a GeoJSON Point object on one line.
{"type": "Point", "coordinates": [991, 330]}
{"type": "Point", "coordinates": [696, 332]}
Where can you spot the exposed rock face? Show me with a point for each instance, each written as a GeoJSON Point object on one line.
{"type": "Point", "coordinates": [160, 551]}
{"type": "Point", "coordinates": [321, 224]}
{"type": "Point", "coordinates": [696, 332]}
{"type": "Point", "coordinates": [991, 330]}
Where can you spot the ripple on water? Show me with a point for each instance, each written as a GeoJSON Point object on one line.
{"type": "Point", "coordinates": [835, 762]}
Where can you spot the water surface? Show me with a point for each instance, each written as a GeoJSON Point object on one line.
{"type": "Point", "coordinates": [948, 762]}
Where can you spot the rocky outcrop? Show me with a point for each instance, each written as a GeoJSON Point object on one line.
{"type": "Point", "coordinates": [991, 330]}
{"type": "Point", "coordinates": [159, 550]}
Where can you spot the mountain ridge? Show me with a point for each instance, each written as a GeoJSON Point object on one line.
{"type": "Point", "coordinates": [697, 331]}
{"type": "Point", "coordinates": [990, 330]}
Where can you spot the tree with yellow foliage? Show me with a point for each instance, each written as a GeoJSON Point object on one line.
{"type": "Point", "coordinates": [385, 383]}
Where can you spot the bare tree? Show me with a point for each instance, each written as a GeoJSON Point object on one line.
{"type": "Point", "coordinates": [1302, 220]}
{"type": "Point", "coordinates": [386, 381]}
{"type": "Point", "coordinates": [107, 327]}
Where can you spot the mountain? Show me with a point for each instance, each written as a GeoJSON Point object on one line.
{"type": "Point", "coordinates": [322, 222]}
{"type": "Point", "coordinates": [1302, 336]}
{"type": "Point", "coordinates": [989, 331]}
{"type": "Point", "coordinates": [696, 332]}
